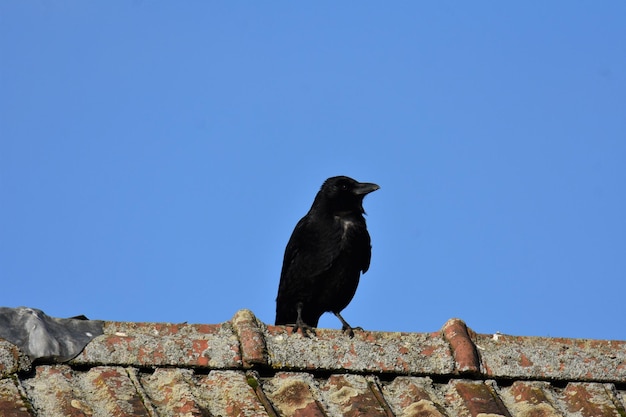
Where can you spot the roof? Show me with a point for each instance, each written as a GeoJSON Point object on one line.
{"type": "Point", "coordinates": [246, 368]}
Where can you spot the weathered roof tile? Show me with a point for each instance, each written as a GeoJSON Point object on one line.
{"type": "Point", "coordinates": [53, 391]}
{"type": "Point", "coordinates": [170, 392]}
{"type": "Point", "coordinates": [465, 355]}
{"type": "Point", "coordinates": [294, 394]}
{"type": "Point", "coordinates": [157, 344]}
{"type": "Point", "coordinates": [11, 402]}
{"type": "Point", "coordinates": [228, 393]}
{"type": "Point", "coordinates": [351, 395]}
{"type": "Point", "coordinates": [590, 400]}
{"type": "Point", "coordinates": [527, 399]}
{"type": "Point", "coordinates": [252, 338]}
{"type": "Point", "coordinates": [552, 358]}
{"type": "Point", "coordinates": [413, 396]}
{"type": "Point", "coordinates": [246, 368]}
{"type": "Point", "coordinates": [110, 388]}
{"type": "Point", "coordinates": [333, 350]}
{"type": "Point", "coordinates": [479, 398]}
{"type": "Point", "coordinates": [12, 360]}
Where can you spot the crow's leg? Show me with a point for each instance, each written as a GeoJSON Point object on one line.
{"type": "Point", "coordinates": [349, 330]}
{"type": "Point", "coordinates": [300, 324]}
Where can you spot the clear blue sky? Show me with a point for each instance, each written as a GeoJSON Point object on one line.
{"type": "Point", "coordinates": [155, 157]}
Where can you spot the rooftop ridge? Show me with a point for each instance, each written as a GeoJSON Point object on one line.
{"type": "Point", "coordinates": [246, 343]}
{"type": "Point", "coordinates": [246, 367]}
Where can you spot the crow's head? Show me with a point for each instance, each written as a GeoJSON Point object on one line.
{"type": "Point", "coordinates": [343, 194]}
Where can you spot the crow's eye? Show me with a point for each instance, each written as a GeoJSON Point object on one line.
{"type": "Point", "coordinates": [344, 187]}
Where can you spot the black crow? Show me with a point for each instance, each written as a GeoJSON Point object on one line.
{"type": "Point", "coordinates": [327, 251]}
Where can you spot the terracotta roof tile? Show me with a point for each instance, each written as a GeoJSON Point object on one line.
{"type": "Point", "coordinates": [160, 344]}
{"type": "Point", "coordinates": [231, 393]}
{"type": "Point", "coordinates": [530, 399]}
{"type": "Point", "coordinates": [294, 394]}
{"type": "Point", "coordinates": [465, 355]}
{"type": "Point", "coordinates": [331, 350]}
{"type": "Point", "coordinates": [246, 368]}
{"type": "Point", "coordinates": [552, 358]}
{"type": "Point", "coordinates": [11, 359]}
{"type": "Point", "coordinates": [11, 402]}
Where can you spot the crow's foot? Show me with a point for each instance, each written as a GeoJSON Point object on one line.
{"type": "Point", "coordinates": [347, 329]}
{"type": "Point", "coordinates": [304, 328]}
{"type": "Point", "coordinates": [350, 330]}
{"type": "Point", "coordinates": [300, 324]}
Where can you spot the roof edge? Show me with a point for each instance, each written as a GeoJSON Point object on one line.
{"type": "Point", "coordinates": [246, 343]}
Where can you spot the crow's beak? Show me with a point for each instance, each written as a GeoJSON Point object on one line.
{"type": "Point", "coordinates": [363, 188]}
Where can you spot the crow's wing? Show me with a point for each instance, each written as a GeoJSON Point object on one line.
{"type": "Point", "coordinates": [312, 248]}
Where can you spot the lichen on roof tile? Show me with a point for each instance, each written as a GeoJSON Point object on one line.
{"type": "Point", "coordinates": [111, 389]}
{"type": "Point", "coordinates": [294, 394]}
{"type": "Point", "coordinates": [247, 368]}
{"type": "Point", "coordinates": [12, 360]}
{"type": "Point", "coordinates": [413, 396]}
{"type": "Point", "coordinates": [590, 400]}
{"type": "Point", "coordinates": [154, 344]}
{"type": "Point", "coordinates": [330, 350]}
{"type": "Point", "coordinates": [228, 393]}
{"type": "Point", "coordinates": [529, 398]}
{"type": "Point", "coordinates": [11, 401]}
{"type": "Point", "coordinates": [479, 398]}
{"type": "Point", "coordinates": [552, 358]}
{"type": "Point", "coordinates": [351, 395]}
{"type": "Point", "coordinates": [51, 391]}
{"type": "Point", "coordinates": [170, 391]}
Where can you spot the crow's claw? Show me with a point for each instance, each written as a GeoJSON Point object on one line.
{"type": "Point", "coordinates": [350, 330]}
{"type": "Point", "coordinates": [304, 328]}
